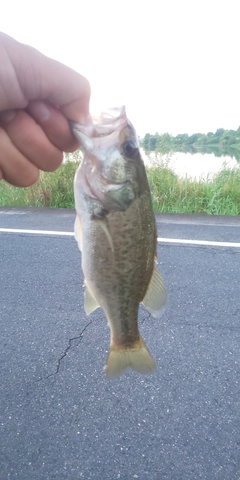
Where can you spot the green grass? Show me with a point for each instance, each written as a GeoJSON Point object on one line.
{"type": "Point", "coordinates": [53, 189]}
{"type": "Point", "coordinates": [220, 194]}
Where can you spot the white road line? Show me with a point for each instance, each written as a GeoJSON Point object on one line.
{"type": "Point", "coordinates": [199, 242]}
{"type": "Point", "coordinates": [160, 239]}
{"type": "Point", "coordinates": [36, 232]}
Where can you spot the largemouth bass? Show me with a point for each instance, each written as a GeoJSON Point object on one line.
{"type": "Point", "coordinates": [116, 232]}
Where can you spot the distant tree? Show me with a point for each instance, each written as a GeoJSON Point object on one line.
{"type": "Point", "coordinates": [180, 139]}
{"type": "Point", "coordinates": [146, 141]}
{"type": "Point", "coordinates": [193, 138]}
{"type": "Point", "coordinates": [152, 143]}
{"type": "Point", "coordinates": [203, 140]}
{"type": "Point", "coordinates": [219, 132]}
{"type": "Point", "coordinates": [166, 142]}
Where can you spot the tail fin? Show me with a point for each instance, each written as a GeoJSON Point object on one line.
{"type": "Point", "coordinates": [138, 358]}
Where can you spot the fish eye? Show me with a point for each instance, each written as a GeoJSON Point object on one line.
{"type": "Point", "coordinates": [130, 148]}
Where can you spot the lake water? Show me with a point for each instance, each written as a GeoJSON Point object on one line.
{"type": "Point", "coordinates": [195, 166]}
{"type": "Point", "coordinates": [192, 165]}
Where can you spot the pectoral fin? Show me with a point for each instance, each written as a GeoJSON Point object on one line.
{"type": "Point", "coordinates": [156, 296]}
{"type": "Point", "coordinates": [78, 231]}
{"type": "Point", "coordinates": [104, 225]}
{"type": "Point", "coordinates": [90, 304]}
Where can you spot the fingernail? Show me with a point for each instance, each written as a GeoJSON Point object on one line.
{"type": "Point", "coordinates": [40, 111]}
{"type": "Point", "coordinates": [7, 116]}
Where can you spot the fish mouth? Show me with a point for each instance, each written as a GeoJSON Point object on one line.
{"type": "Point", "coordinates": [101, 125]}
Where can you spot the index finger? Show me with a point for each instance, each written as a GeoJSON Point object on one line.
{"type": "Point", "coordinates": [38, 77]}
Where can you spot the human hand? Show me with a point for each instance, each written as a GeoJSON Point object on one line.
{"type": "Point", "coordinates": [37, 97]}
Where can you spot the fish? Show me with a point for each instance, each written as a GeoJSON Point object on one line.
{"type": "Point", "coordinates": [116, 232]}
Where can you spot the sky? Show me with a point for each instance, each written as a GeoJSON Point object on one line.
{"type": "Point", "coordinates": [173, 63]}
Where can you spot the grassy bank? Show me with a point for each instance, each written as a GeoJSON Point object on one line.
{"type": "Point", "coordinates": [52, 190]}
{"type": "Point", "coordinates": [219, 195]}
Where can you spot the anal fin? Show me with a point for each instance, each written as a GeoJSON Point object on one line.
{"type": "Point", "coordinates": [156, 296]}
{"type": "Point", "coordinates": [90, 304]}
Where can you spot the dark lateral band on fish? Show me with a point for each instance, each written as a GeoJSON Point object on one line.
{"type": "Point", "coordinates": [116, 233]}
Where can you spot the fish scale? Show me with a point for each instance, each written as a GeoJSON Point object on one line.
{"type": "Point", "coordinates": [116, 232]}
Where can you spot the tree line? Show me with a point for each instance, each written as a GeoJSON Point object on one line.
{"type": "Point", "coordinates": [166, 142]}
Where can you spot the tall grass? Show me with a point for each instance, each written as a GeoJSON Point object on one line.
{"type": "Point", "coordinates": [219, 194]}
{"type": "Point", "coordinates": [53, 189]}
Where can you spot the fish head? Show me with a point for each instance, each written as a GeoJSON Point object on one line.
{"type": "Point", "coordinates": [112, 172]}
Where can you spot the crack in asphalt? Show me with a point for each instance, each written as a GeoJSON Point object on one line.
{"type": "Point", "coordinates": [71, 344]}
{"type": "Point", "coordinates": [71, 340]}
{"type": "Point", "coordinates": [145, 318]}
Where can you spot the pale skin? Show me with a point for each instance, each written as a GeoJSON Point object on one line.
{"type": "Point", "coordinates": [37, 97]}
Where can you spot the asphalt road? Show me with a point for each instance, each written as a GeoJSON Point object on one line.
{"type": "Point", "coordinates": [61, 418]}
